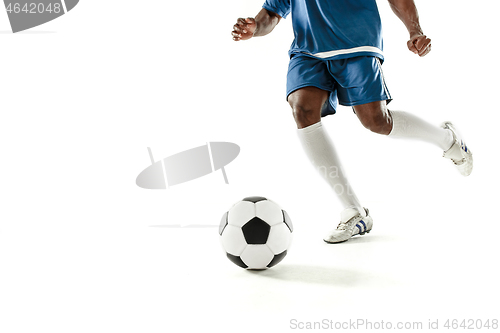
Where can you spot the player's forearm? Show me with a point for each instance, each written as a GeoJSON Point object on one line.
{"type": "Point", "coordinates": [266, 21]}
{"type": "Point", "coordinates": [407, 12]}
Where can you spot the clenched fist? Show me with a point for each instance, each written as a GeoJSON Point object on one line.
{"type": "Point", "coordinates": [244, 29]}
{"type": "Point", "coordinates": [419, 44]}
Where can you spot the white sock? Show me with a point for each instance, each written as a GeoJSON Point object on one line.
{"type": "Point", "coordinates": [321, 152]}
{"type": "Point", "coordinates": [406, 125]}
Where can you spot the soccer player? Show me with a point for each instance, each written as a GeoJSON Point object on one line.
{"type": "Point", "coordinates": [336, 57]}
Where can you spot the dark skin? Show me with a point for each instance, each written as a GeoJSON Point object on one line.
{"type": "Point", "coordinates": [307, 102]}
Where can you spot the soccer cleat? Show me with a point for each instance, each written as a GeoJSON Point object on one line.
{"type": "Point", "coordinates": [355, 225]}
{"type": "Point", "coordinates": [459, 153]}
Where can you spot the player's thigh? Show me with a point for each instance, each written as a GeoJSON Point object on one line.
{"type": "Point", "coordinates": [308, 99]}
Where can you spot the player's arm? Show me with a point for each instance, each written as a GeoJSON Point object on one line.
{"type": "Point", "coordinates": [261, 25]}
{"type": "Point", "coordinates": [407, 12]}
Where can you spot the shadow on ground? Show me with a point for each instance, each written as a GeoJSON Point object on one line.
{"type": "Point", "coordinates": [323, 275]}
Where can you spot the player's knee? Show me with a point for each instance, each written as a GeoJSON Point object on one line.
{"type": "Point", "coordinates": [376, 118]}
{"type": "Point", "coordinates": [305, 115]}
{"type": "Point", "coordinates": [377, 122]}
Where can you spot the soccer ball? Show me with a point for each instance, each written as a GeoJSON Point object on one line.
{"type": "Point", "coordinates": [255, 233]}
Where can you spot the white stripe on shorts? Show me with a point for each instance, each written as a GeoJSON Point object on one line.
{"type": "Point", "coordinates": [329, 54]}
{"type": "Point", "coordinates": [383, 78]}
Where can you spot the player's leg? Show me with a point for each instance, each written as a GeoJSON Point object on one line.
{"type": "Point", "coordinates": [400, 124]}
{"type": "Point", "coordinates": [311, 92]}
{"type": "Point", "coordinates": [362, 85]}
{"type": "Point", "coordinates": [306, 104]}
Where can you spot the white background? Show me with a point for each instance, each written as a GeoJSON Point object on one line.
{"type": "Point", "coordinates": [83, 249]}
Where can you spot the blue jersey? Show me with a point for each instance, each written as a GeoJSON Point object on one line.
{"type": "Point", "coordinates": [332, 29]}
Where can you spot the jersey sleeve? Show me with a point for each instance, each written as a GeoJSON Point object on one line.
{"type": "Point", "coordinates": [280, 7]}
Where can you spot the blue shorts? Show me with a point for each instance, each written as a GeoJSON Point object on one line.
{"type": "Point", "coordinates": [351, 81]}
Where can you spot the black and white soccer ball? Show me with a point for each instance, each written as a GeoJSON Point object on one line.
{"type": "Point", "coordinates": [256, 233]}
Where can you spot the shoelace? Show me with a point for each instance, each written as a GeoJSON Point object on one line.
{"type": "Point", "coordinates": [344, 225]}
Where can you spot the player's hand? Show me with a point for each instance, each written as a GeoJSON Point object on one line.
{"type": "Point", "coordinates": [244, 29]}
{"type": "Point", "coordinates": [419, 44]}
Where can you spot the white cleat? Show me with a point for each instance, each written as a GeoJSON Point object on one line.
{"type": "Point", "coordinates": [355, 224]}
{"type": "Point", "coordinates": [459, 153]}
